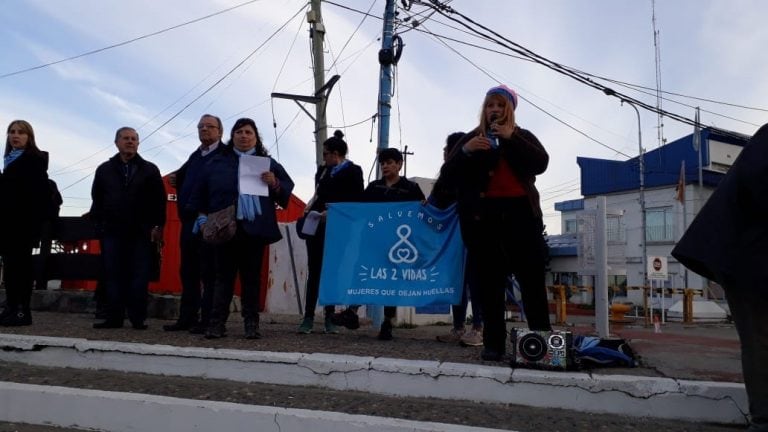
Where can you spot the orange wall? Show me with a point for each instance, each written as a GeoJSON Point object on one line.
{"type": "Point", "coordinates": [169, 282]}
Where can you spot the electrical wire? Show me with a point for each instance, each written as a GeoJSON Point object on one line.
{"type": "Point", "coordinates": [209, 88]}
{"type": "Point", "coordinates": [119, 44]}
{"type": "Point", "coordinates": [448, 11]}
{"type": "Point", "coordinates": [563, 122]}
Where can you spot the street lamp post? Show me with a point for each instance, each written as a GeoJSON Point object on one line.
{"type": "Point", "coordinates": [641, 163]}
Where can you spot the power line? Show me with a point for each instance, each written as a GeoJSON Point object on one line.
{"type": "Point", "coordinates": [18, 72]}
{"type": "Point", "coordinates": [211, 87]}
{"type": "Point", "coordinates": [231, 71]}
{"type": "Point", "coordinates": [563, 122]}
{"type": "Point", "coordinates": [557, 67]}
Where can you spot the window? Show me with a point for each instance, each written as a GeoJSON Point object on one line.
{"type": "Point", "coordinates": [571, 226]}
{"type": "Point", "coordinates": [614, 231]}
{"type": "Point", "coordinates": [659, 224]}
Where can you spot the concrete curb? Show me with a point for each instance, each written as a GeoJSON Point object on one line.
{"type": "Point", "coordinates": [668, 398]}
{"type": "Point", "coordinates": [130, 412]}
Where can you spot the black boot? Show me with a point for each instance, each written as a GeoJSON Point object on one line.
{"type": "Point", "coordinates": [7, 312]}
{"type": "Point", "coordinates": [216, 330]}
{"type": "Point", "coordinates": [252, 328]}
{"type": "Point", "coordinates": [181, 325]}
{"type": "Point", "coordinates": [17, 318]}
{"type": "Point", "coordinates": [385, 333]}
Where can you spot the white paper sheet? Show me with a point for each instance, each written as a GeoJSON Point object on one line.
{"type": "Point", "coordinates": [251, 169]}
{"type": "Point", "coordinates": [310, 223]}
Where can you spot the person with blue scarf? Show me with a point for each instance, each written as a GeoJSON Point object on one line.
{"type": "Point", "coordinates": [217, 189]}
{"type": "Point", "coordinates": [25, 194]}
{"type": "Point", "coordinates": [338, 180]}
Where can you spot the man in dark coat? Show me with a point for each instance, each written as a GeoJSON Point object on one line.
{"type": "Point", "coordinates": [128, 211]}
{"type": "Point", "coordinates": [727, 242]}
{"type": "Point", "coordinates": [196, 267]}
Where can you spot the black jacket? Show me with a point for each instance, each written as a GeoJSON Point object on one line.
{"type": "Point", "coordinates": [729, 236]}
{"type": "Point", "coordinates": [129, 206]}
{"type": "Point", "coordinates": [470, 174]}
{"type": "Point", "coordinates": [344, 186]}
{"type": "Point", "coordinates": [24, 199]}
{"type": "Point", "coordinates": [403, 190]}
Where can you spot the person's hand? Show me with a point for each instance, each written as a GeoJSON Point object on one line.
{"type": "Point", "coordinates": [270, 179]}
{"type": "Point", "coordinates": [156, 235]}
{"type": "Point", "coordinates": [199, 222]}
{"type": "Point", "coordinates": [503, 130]}
{"type": "Point", "coordinates": [477, 143]}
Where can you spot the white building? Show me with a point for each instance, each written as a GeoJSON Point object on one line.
{"type": "Point", "coordinates": [668, 211]}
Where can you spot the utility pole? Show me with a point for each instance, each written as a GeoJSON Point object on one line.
{"type": "Point", "coordinates": [317, 33]}
{"type": "Point", "coordinates": [387, 58]}
{"type": "Point", "coordinates": [601, 269]}
{"type": "Point", "coordinates": [322, 88]}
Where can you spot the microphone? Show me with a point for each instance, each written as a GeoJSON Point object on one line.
{"type": "Point", "coordinates": [490, 134]}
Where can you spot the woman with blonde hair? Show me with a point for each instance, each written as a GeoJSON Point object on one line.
{"type": "Point", "coordinates": [501, 220]}
{"type": "Point", "coordinates": [24, 186]}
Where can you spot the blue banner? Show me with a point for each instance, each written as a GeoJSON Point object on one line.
{"type": "Point", "coordinates": [392, 254]}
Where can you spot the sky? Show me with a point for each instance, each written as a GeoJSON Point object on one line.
{"type": "Point", "coordinates": [229, 63]}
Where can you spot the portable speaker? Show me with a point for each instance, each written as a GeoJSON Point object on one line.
{"type": "Point", "coordinates": [542, 349]}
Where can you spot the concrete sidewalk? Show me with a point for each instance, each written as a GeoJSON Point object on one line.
{"type": "Point", "coordinates": [689, 373]}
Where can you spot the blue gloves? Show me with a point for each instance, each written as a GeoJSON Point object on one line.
{"type": "Point", "coordinates": [199, 223]}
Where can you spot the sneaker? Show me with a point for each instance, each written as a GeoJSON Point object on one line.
{"type": "Point", "coordinates": [453, 336]}
{"type": "Point", "coordinates": [306, 325]}
{"type": "Point", "coordinates": [472, 338]}
{"type": "Point", "coordinates": [347, 318]}
{"type": "Point", "coordinates": [386, 331]}
{"type": "Point", "coordinates": [330, 327]}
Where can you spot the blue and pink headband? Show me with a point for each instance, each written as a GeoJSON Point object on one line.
{"type": "Point", "coordinates": [506, 92]}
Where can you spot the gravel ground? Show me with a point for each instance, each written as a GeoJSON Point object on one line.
{"type": "Point", "coordinates": [418, 343]}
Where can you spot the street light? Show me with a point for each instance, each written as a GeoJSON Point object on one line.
{"type": "Point", "coordinates": [641, 163]}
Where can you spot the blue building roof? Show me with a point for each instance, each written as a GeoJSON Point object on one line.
{"type": "Point", "coordinates": [662, 166]}
{"type": "Point", "coordinates": [562, 244]}
{"type": "Point", "coordinates": [570, 205]}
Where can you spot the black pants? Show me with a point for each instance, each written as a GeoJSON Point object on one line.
{"type": "Point", "coordinates": [127, 265]}
{"type": "Point", "coordinates": [243, 254]}
{"type": "Point", "coordinates": [17, 263]}
{"type": "Point", "coordinates": [315, 245]}
{"type": "Point", "coordinates": [197, 275]}
{"type": "Point", "coordinates": [748, 299]}
{"type": "Point", "coordinates": [506, 238]}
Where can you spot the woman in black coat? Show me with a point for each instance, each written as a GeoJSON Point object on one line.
{"type": "Point", "coordinates": [501, 221]}
{"type": "Point", "coordinates": [25, 194]}
{"type": "Point", "coordinates": [339, 180]}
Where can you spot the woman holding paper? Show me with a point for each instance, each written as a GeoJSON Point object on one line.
{"type": "Point", "coordinates": [233, 177]}
{"type": "Point", "coordinates": [338, 180]}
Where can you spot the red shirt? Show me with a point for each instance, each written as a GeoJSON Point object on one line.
{"type": "Point", "coordinates": [504, 182]}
